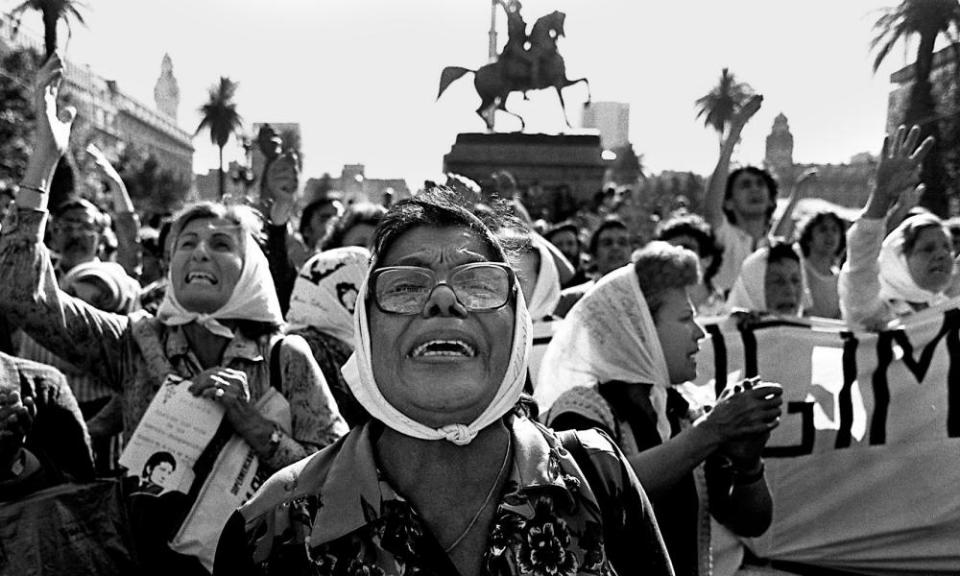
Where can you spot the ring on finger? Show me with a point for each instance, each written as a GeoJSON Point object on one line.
{"type": "Point", "coordinates": [219, 393]}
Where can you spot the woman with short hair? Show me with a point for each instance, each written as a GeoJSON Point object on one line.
{"type": "Point", "coordinates": [615, 366]}
{"type": "Point", "coordinates": [216, 327]}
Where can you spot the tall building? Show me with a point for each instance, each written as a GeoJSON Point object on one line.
{"type": "Point", "coordinates": [845, 184]}
{"type": "Point", "coordinates": [166, 93]}
{"type": "Point", "coordinates": [612, 119]}
{"type": "Point", "coordinates": [779, 158]}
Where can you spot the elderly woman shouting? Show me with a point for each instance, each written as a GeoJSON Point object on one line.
{"type": "Point", "coordinates": [216, 327]}
{"type": "Point", "coordinates": [449, 476]}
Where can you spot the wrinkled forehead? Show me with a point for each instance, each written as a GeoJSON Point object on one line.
{"type": "Point", "coordinates": [425, 245]}
{"type": "Point", "coordinates": [207, 227]}
{"type": "Point", "coordinates": [77, 214]}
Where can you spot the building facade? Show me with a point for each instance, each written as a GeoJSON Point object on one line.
{"type": "Point", "coordinates": [112, 119]}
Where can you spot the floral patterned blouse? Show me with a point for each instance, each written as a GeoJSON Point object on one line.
{"type": "Point", "coordinates": [134, 354]}
{"type": "Point", "coordinates": [336, 514]}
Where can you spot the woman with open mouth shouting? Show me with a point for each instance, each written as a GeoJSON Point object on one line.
{"type": "Point", "coordinates": [911, 269]}
{"type": "Point", "coordinates": [216, 328]}
{"type": "Point", "coordinates": [450, 476]}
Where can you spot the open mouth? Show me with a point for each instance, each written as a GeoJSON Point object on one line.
{"type": "Point", "coordinates": [201, 278]}
{"type": "Point", "coordinates": [444, 349]}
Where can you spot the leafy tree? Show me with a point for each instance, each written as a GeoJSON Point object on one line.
{"type": "Point", "coordinates": [718, 106]}
{"type": "Point", "coordinates": [52, 12]}
{"type": "Point", "coordinates": [17, 69]}
{"type": "Point", "coordinates": [927, 19]}
{"type": "Point", "coordinates": [220, 117]}
{"type": "Point", "coordinates": [153, 189]}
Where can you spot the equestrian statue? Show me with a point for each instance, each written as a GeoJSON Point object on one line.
{"type": "Point", "coordinates": [527, 62]}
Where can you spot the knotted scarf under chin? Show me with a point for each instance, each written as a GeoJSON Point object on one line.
{"type": "Point", "coordinates": [358, 373]}
{"type": "Point", "coordinates": [253, 298]}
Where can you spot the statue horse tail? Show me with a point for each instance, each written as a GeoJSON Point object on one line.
{"type": "Point", "coordinates": [449, 74]}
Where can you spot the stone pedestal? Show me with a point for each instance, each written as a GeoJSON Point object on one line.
{"type": "Point", "coordinates": [556, 172]}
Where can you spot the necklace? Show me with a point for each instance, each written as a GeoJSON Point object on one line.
{"type": "Point", "coordinates": [493, 488]}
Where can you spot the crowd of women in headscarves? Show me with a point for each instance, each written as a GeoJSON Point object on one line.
{"type": "Point", "coordinates": [458, 394]}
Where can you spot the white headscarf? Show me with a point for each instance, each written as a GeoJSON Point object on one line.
{"type": "Point", "coordinates": [608, 335]}
{"type": "Point", "coordinates": [749, 291]}
{"type": "Point", "coordinates": [546, 293]}
{"type": "Point", "coordinates": [896, 282]}
{"type": "Point", "coordinates": [358, 373]}
{"type": "Point", "coordinates": [253, 298]}
{"type": "Point", "coordinates": [317, 294]}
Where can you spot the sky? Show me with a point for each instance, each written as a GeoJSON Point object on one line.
{"type": "Point", "coordinates": [361, 76]}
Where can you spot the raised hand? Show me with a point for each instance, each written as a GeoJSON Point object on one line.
{"type": "Point", "coordinates": [53, 126]}
{"type": "Point", "coordinates": [898, 170]}
{"type": "Point", "coordinates": [104, 168]}
{"type": "Point", "coordinates": [744, 114]}
{"type": "Point", "coordinates": [282, 177]}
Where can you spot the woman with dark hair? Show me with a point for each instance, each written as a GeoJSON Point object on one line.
{"type": "Point", "coordinates": [616, 365]}
{"type": "Point", "coordinates": [692, 232]}
{"type": "Point", "coordinates": [356, 226]}
{"type": "Point", "coordinates": [771, 281]}
{"type": "Point", "coordinates": [911, 269]}
{"type": "Point", "coordinates": [823, 242]}
{"type": "Point", "coordinates": [449, 476]}
{"type": "Point", "coordinates": [216, 327]}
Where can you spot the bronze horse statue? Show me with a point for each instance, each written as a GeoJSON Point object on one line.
{"type": "Point", "coordinates": [495, 81]}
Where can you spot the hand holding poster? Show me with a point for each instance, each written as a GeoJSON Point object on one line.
{"type": "Point", "coordinates": [174, 431]}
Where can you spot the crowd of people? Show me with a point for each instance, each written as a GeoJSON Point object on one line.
{"type": "Point", "coordinates": [424, 433]}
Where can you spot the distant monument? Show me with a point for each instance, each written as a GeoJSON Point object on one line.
{"type": "Point", "coordinates": [527, 62]}
{"type": "Point", "coordinates": [554, 173]}
{"type": "Point", "coordinates": [166, 93]}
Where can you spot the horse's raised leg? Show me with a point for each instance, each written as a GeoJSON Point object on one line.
{"type": "Point", "coordinates": [503, 106]}
{"type": "Point", "coordinates": [563, 105]}
{"type": "Point", "coordinates": [486, 112]}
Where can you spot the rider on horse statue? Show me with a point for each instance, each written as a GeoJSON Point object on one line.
{"type": "Point", "coordinates": [521, 58]}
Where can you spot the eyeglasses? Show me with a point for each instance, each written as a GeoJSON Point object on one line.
{"type": "Point", "coordinates": [479, 287]}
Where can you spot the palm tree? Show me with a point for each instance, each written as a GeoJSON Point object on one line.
{"type": "Point", "coordinates": [221, 118]}
{"type": "Point", "coordinates": [927, 19]}
{"type": "Point", "coordinates": [719, 105]}
{"type": "Point", "coordinates": [52, 12]}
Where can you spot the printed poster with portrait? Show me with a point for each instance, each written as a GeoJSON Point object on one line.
{"type": "Point", "coordinates": [171, 436]}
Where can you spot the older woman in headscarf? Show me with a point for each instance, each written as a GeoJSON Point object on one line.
{"type": "Point", "coordinates": [913, 267]}
{"type": "Point", "coordinates": [449, 476]}
{"type": "Point", "coordinates": [771, 281]}
{"type": "Point", "coordinates": [614, 365]}
{"type": "Point", "coordinates": [216, 327]}
{"type": "Point", "coordinates": [321, 312]}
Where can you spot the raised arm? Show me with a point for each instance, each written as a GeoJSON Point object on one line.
{"type": "Point", "coordinates": [784, 226]}
{"type": "Point", "coordinates": [129, 251]}
{"type": "Point", "coordinates": [859, 283]}
{"type": "Point", "coordinates": [29, 295]}
{"type": "Point", "coordinates": [713, 205]}
{"type": "Point", "coordinates": [284, 252]}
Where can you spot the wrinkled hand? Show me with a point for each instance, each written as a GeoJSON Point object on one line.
{"type": "Point", "coordinates": [229, 388]}
{"type": "Point", "coordinates": [16, 421]}
{"type": "Point", "coordinates": [898, 170]}
{"type": "Point", "coordinates": [282, 177]}
{"type": "Point", "coordinates": [745, 412]}
{"type": "Point", "coordinates": [53, 127]}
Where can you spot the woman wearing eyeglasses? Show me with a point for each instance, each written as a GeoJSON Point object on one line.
{"type": "Point", "coordinates": [449, 476]}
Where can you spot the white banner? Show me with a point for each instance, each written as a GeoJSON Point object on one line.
{"type": "Point", "coordinates": [865, 466]}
